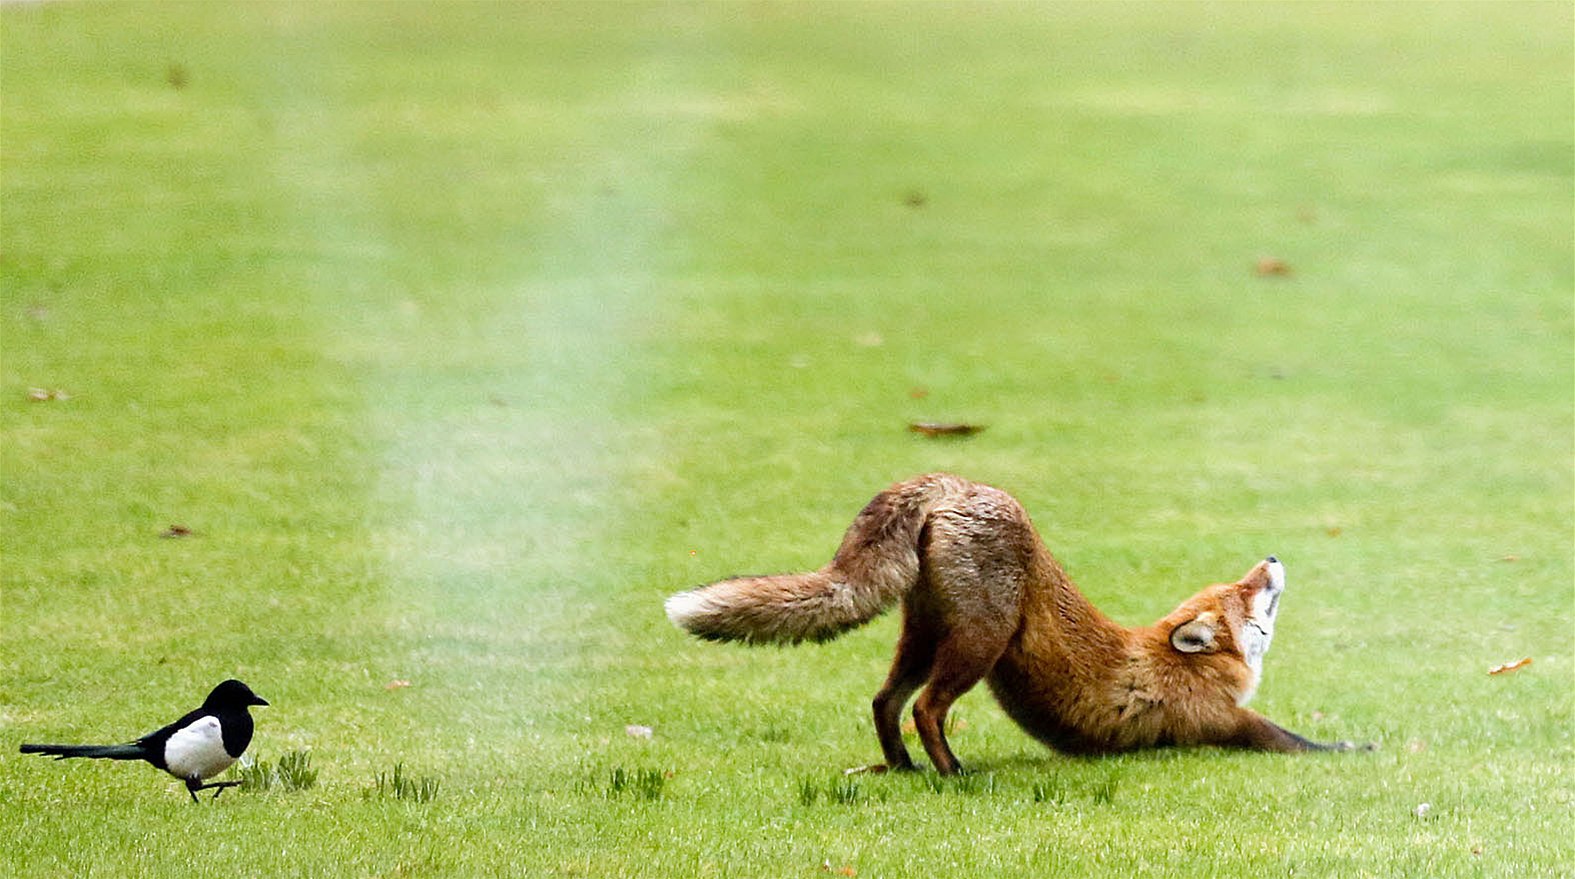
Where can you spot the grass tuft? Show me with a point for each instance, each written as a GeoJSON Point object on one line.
{"type": "Point", "coordinates": [843, 791]}
{"type": "Point", "coordinates": [641, 784]}
{"type": "Point", "coordinates": [397, 785]}
{"type": "Point", "coordinates": [293, 771]}
{"type": "Point", "coordinates": [808, 791]}
{"type": "Point", "coordinates": [1051, 791]}
{"type": "Point", "coordinates": [966, 783]}
{"type": "Point", "coordinates": [1104, 790]}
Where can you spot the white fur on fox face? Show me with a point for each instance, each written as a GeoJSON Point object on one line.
{"type": "Point", "coordinates": [1258, 630]}
{"type": "Point", "coordinates": [1276, 575]}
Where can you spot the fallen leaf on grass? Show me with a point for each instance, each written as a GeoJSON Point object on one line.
{"type": "Point", "coordinates": [396, 685]}
{"type": "Point", "coordinates": [1510, 558]}
{"type": "Point", "coordinates": [636, 731]}
{"type": "Point", "coordinates": [918, 393]}
{"type": "Point", "coordinates": [844, 870]}
{"type": "Point", "coordinates": [46, 395]}
{"type": "Point", "coordinates": [176, 531]}
{"type": "Point", "coordinates": [1273, 267]}
{"type": "Point", "coordinates": [943, 428]}
{"type": "Point", "coordinates": [1508, 667]}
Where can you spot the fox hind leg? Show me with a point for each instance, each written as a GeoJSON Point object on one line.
{"type": "Point", "coordinates": [960, 663]}
{"type": "Point", "coordinates": [909, 670]}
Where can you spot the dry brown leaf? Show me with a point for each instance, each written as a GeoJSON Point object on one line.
{"type": "Point", "coordinates": [396, 685]}
{"type": "Point", "coordinates": [1508, 667]}
{"type": "Point", "coordinates": [1273, 267]}
{"type": "Point", "coordinates": [944, 428]}
{"type": "Point", "coordinates": [918, 393]}
{"type": "Point", "coordinates": [46, 395]}
{"type": "Point", "coordinates": [175, 531]}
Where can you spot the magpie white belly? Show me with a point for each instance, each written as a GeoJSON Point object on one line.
{"type": "Point", "coordinates": [197, 751]}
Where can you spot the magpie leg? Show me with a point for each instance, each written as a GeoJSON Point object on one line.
{"type": "Point", "coordinates": [219, 787]}
{"type": "Point", "coordinates": [193, 785]}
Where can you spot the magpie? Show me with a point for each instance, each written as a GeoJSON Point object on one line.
{"type": "Point", "coordinates": [193, 749]}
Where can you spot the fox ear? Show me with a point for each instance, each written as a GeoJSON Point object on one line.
{"type": "Point", "coordinates": [1195, 635]}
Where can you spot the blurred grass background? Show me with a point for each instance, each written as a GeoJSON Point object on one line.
{"type": "Point", "coordinates": [461, 334]}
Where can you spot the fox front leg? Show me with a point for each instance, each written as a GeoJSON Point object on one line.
{"type": "Point", "coordinates": [1258, 733]}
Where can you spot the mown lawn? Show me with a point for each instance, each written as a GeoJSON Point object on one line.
{"type": "Point", "coordinates": [460, 335]}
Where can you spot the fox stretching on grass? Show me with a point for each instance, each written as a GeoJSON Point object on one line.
{"type": "Point", "coordinates": [983, 598]}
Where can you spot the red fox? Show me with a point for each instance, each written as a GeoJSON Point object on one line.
{"type": "Point", "coordinates": [983, 599]}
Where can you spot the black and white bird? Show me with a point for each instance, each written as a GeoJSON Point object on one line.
{"type": "Point", "coordinates": [193, 749]}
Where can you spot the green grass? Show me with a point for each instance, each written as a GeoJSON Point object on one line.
{"type": "Point", "coordinates": [460, 335]}
{"type": "Point", "coordinates": [292, 771]}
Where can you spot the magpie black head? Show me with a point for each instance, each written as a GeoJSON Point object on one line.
{"type": "Point", "coordinates": [233, 694]}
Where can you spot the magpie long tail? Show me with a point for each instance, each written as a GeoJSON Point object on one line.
{"type": "Point", "coordinates": [108, 752]}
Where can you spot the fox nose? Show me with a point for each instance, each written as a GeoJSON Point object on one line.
{"type": "Point", "coordinates": [1276, 572]}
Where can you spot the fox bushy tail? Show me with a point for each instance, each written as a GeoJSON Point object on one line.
{"type": "Point", "coordinates": [876, 564]}
{"type": "Point", "coordinates": [108, 752]}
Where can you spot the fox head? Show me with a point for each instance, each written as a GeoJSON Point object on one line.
{"type": "Point", "coordinates": [1224, 631]}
